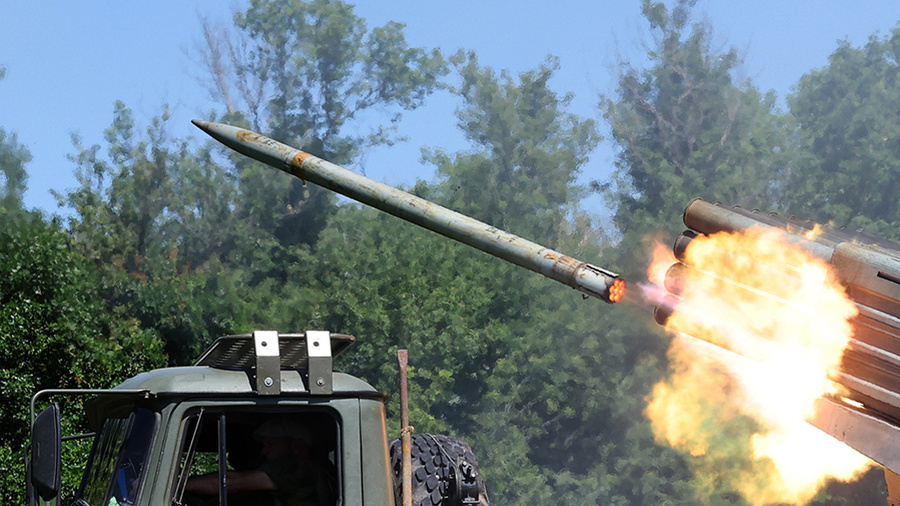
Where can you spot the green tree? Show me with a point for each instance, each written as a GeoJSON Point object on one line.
{"type": "Point", "coordinates": [849, 131]}
{"type": "Point", "coordinates": [520, 176]}
{"type": "Point", "coordinates": [394, 286]}
{"type": "Point", "coordinates": [305, 73]}
{"type": "Point", "coordinates": [138, 216]}
{"type": "Point", "coordinates": [527, 151]}
{"type": "Point", "coordinates": [54, 332]}
{"type": "Point", "coordinates": [685, 128]}
{"type": "Point", "coordinates": [562, 421]}
{"type": "Point", "coordinates": [13, 157]}
{"type": "Point", "coordinates": [193, 243]}
{"type": "Point", "coordinates": [498, 356]}
{"type": "Point", "coordinates": [399, 284]}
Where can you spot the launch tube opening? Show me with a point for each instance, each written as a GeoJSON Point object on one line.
{"type": "Point", "coordinates": [617, 290]}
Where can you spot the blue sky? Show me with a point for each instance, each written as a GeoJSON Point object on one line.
{"type": "Point", "coordinates": [68, 62]}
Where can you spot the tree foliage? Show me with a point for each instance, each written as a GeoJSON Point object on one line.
{"type": "Point", "coordinates": [531, 374]}
{"type": "Point", "coordinates": [152, 215]}
{"type": "Point", "coordinates": [526, 150]}
{"type": "Point", "coordinates": [686, 128]}
{"type": "Point", "coordinates": [849, 130]}
{"type": "Point", "coordinates": [172, 243]}
{"type": "Point", "coordinates": [13, 176]}
{"type": "Point", "coordinates": [13, 157]}
{"type": "Point", "coordinates": [55, 331]}
{"type": "Point", "coordinates": [303, 72]}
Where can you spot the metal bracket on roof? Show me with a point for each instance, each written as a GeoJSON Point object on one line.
{"type": "Point", "coordinates": [268, 362]}
{"type": "Point", "coordinates": [318, 347]}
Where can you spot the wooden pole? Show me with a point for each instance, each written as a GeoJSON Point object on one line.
{"type": "Point", "coordinates": [405, 431]}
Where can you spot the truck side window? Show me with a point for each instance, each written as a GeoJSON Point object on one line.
{"type": "Point", "coordinates": [115, 471]}
{"type": "Point", "coordinates": [103, 460]}
{"type": "Point", "coordinates": [284, 458]}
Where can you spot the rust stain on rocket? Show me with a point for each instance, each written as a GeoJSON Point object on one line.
{"type": "Point", "coordinates": [571, 264]}
{"type": "Point", "coordinates": [564, 260]}
{"type": "Point", "coordinates": [247, 136]}
{"type": "Point", "coordinates": [300, 157]}
{"type": "Point", "coordinates": [297, 164]}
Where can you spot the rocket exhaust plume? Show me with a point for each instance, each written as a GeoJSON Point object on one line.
{"type": "Point", "coordinates": [761, 327]}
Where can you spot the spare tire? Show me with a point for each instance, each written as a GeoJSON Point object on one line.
{"type": "Point", "coordinates": [444, 472]}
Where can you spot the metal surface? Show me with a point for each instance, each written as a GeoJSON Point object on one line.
{"type": "Point", "coordinates": [587, 278]}
{"type": "Point", "coordinates": [871, 275]}
{"type": "Point", "coordinates": [268, 363]}
{"type": "Point", "coordinates": [320, 376]}
{"type": "Point", "coordinates": [865, 432]}
{"type": "Point", "coordinates": [236, 353]}
{"type": "Point", "coordinates": [135, 392]}
{"type": "Point", "coordinates": [223, 462]}
{"type": "Point", "coordinates": [664, 309]}
{"type": "Point", "coordinates": [179, 394]}
{"type": "Point", "coordinates": [709, 218]}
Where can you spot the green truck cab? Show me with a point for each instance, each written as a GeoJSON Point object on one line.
{"type": "Point", "coordinates": [157, 432]}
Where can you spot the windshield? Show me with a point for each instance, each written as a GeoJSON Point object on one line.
{"type": "Point", "coordinates": [116, 467]}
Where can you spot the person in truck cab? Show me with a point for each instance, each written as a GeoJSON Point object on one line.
{"type": "Point", "coordinates": [290, 475]}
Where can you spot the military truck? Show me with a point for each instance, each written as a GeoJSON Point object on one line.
{"type": "Point", "coordinates": [272, 402]}
{"type": "Point", "coordinates": [157, 432]}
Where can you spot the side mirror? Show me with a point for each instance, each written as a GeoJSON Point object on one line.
{"type": "Point", "coordinates": [46, 458]}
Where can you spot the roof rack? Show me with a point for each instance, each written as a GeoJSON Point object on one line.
{"type": "Point", "coordinates": [310, 352]}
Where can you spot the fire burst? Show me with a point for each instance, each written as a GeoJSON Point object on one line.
{"type": "Point", "coordinates": [760, 326]}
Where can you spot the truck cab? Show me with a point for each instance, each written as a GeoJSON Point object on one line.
{"type": "Point", "coordinates": [160, 433]}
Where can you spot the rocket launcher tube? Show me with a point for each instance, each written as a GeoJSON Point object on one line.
{"type": "Point", "coordinates": [707, 218]}
{"type": "Point", "coordinates": [582, 276]}
{"type": "Point", "coordinates": [869, 269]}
{"type": "Point", "coordinates": [868, 266]}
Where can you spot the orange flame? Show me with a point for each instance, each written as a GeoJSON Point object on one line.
{"type": "Point", "coordinates": [662, 259]}
{"type": "Point", "coordinates": [779, 323]}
